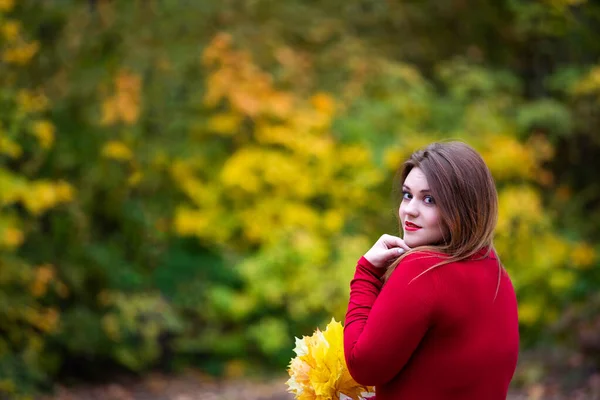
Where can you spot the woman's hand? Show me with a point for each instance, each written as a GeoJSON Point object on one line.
{"type": "Point", "coordinates": [385, 250]}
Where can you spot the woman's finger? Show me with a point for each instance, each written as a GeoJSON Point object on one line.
{"type": "Point", "coordinates": [400, 243]}
{"type": "Point", "coordinates": [390, 241]}
{"type": "Point", "coordinates": [394, 253]}
{"type": "Point", "coordinates": [394, 241]}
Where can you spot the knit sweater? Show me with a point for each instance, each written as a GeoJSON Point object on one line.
{"type": "Point", "coordinates": [446, 335]}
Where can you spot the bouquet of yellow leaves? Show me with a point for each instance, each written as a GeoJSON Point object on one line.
{"type": "Point", "coordinates": [319, 371]}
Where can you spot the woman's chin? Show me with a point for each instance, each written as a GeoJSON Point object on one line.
{"type": "Point", "coordinates": [415, 242]}
{"type": "Point", "coordinates": [411, 242]}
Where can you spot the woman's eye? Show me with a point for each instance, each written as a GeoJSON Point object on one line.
{"type": "Point", "coordinates": [406, 196]}
{"type": "Point", "coordinates": [428, 200]}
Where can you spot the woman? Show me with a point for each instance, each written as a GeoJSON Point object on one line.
{"type": "Point", "coordinates": [433, 316]}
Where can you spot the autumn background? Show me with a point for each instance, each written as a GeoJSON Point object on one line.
{"type": "Point", "coordinates": [187, 185]}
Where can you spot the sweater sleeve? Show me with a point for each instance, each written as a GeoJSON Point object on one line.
{"type": "Point", "coordinates": [385, 323]}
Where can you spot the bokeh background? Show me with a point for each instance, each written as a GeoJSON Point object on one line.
{"type": "Point", "coordinates": [187, 185]}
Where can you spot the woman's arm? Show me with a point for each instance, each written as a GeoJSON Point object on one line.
{"type": "Point", "coordinates": [384, 325]}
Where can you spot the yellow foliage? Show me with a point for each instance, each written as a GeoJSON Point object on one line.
{"type": "Point", "coordinates": [225, 123]}
{"type": "Point", "coordinates": [45, 319]}
{"type": "Point", "coordinates": [220, 43]}
{"type": "Point", "coordinates": [9, 147]}
{"type": "Point", "coordinates": [124, 105]}
{"type": "Point", "coordinates": [333, 220]}
{"type": "Point", "coordinates": [62, 290]}
{"type": "Point", "coordinates": [507, 158]}
{"type": "Point", "coordinates": [296, 136]}
{"type": "Point", "coordinates": [12, 237]}
{"type": "Point", "coordinates": [202, 194]}
{"type": "Point", "coordinates": [261, 222]}
{"type": "Point", "coordinates": [189, 222]}
{"type": "Point", "coordinates": [135, 178]}
{"type": "Point", "coordinates": [117, 150]}
{"type": "Point", "coordinates": [64, 191]}
{"type": "Point", "coordinates": [284, 162]}
{"type": "Point", "coordinates": [43, 275]}
{"type": "Point", "coordinates": [551, 252]}
{"type": "Point", "coordinates": [538, 258]}
{"type": "Point", "coordinates": [519, 205]}
{"type": "Point", "coordinates": [6, 5]}
{"type": "Point", "coordinates": [10, 30]}
{"type": "Point", "coordinates": [31, 102]}
{"type": "Point", "coordinates": [23, 198]}
{"type": "Point", "coordinates": [583, 255]}
{"type": "Point", "coordinates": [7, 385]}
{"type": "Point", "coordinates": [12, 187]}
{"type": "Point", "coordinates": [309, 121]}
{"type": "Point", "coordinates": [561, 280]}
{"type": "Point", "coordinates": [43, 195]}
{"type": "Point", "coordinates": [44, 131]}
{"type": "Point", "coordinates": [254, 170]}
{"type": "Point", "coordinates": [529, 312]}
{"type": "Point", "coordinates": [540, 147]}
{"type": "Point", "coordinates": [36, 196]}
{"type": "Point", "coordinates": [238, 81]}
{"type": "Point", "coordinates": [323, 103]}
{"type": "Point", "coordinates": [280, 104]}
{"type": "Point", "coordinates": [589, 84]}
{"type": "Point", "coordinates": [21, 54]}
{"type": "Point", "coordinates": [394, 157]}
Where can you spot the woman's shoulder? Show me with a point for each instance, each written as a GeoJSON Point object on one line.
{"type": "Point", "coordinates": [427, 258]}
{"type": "Point", "coordinates": [419, 260]}
{"type": "Point", "coordinates": [424, 256]}
{"type": "Point", "coordinates": [418, 267]}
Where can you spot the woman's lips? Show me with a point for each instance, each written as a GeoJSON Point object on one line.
{"type": "Point", "coordinates": [410, 227]}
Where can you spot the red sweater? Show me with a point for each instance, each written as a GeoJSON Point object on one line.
{"type": "Point", "coordinates": [441, 337]}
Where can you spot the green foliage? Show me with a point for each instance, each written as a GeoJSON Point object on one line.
{"type": "Point", "coordinates": [135, 323]}
{"type": "Point", "coordinates": [549, 116]}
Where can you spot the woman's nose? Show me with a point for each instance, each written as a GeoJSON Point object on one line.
{"type": "Point", "coordinates": [411, 208]}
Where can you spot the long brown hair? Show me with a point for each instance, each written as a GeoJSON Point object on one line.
{"type": "Point", "coordinates": [465, 193]}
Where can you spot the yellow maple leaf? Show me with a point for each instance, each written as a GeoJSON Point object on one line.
{"type": "Point", "coordinates": [319, 371]}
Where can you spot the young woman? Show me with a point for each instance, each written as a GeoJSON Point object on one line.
{"type": "Point", "coordinates": [433, 316]}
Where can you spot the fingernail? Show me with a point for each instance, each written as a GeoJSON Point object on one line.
{"type": "Point", "coordinates": [400, 250]}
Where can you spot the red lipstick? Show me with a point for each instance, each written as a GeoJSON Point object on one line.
{"type": "Point", "coordinates": [409, 226]}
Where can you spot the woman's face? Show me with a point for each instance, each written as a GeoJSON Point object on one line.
{"type": "Point", "coordinates": [419, 214]}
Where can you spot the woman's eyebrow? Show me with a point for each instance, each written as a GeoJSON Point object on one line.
{"type": "Point", "coordinates": [422, 191]}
